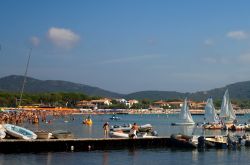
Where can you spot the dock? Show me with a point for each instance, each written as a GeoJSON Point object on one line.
{"type": "Point", "coordinates": [86, 144]}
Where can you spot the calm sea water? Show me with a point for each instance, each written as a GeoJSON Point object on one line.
{"type": "Point", "coordinates": [161, 123]}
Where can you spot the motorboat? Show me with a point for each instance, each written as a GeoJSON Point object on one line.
{"type": "Point", "coordinates": [123, 128]}
{"type": "Point", "coordinates": [61, 134]}
{"type": "Point", "coordinates": [184, 141]}
{"type": "Point", "coordinates": [145, 128]}
{"type": "Point", "coordinates": [43, 134]}
{"type": "Point", "coordinates": [120, 134]}
{"type": "Point", "coordinates": [19, 132]}
{"type": "Point", "coordinates": [212, 142]}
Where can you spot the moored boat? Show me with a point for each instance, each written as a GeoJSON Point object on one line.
{"type": "Point", "coordinates": [61, 134]}
{"type": "Point", "coordinates": [19, 132]}
{"type": "Point", "coordinates": [184, 141]}
{"type": "Point", "coordinates": [43, 135]}
{"type": "Point", "coordinates": [185, 117]}
{"type": "Point", "coordinates": [212, 142]}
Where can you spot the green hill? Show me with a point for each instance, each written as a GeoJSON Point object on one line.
{"type": "Point", "coordinates": [13, 83]}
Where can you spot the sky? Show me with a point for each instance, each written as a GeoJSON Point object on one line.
{"type": "Point", "coordinates": [127, 46]}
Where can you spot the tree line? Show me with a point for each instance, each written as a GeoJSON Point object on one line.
{"type": "Point", "coordinates": [70, 99]}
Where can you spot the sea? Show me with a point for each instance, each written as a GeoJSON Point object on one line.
{"type": "Point", "coordinates": [146, 156]}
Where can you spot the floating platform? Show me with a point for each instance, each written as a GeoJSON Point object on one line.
{"type": "Point", "coordinates": [62, 145]}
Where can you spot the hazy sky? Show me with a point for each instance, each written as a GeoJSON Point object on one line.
{"type": "Point", "coordinates": [128, 45]}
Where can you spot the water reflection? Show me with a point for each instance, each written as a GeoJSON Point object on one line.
{"type": "Point", "coordinates": [105, 158]}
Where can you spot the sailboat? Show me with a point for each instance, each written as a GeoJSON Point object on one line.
{"type": "Point", "coordinates": [227, 112]}
{"type": "Point", "coordinates": [185, 117]}
{"type": "Point", "coordinates": [211, 118]}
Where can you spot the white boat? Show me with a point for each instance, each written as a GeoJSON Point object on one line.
{"type": "Point", "coordinates": [127, 128]}
{"type": "Point", "coordinates": [123, 128]}
{"type": "Point", "coordinates": [210, 113]}
{"type": "Point", "coordinates": [114, 134]}
{"type": "Point", "coordinates": [2, 132]}
{"type": "Point", "coordinates": [43, 135]}
{"type": "Point", "coordinates": [185, 117]}
{"type": "Point", "coordinates": [145, 128]}
{"type": "Point", "coordinates": [61, 134]}
{"type": "Point", "coordinates": [19, 132]}
{"type": "Point", "coordinates": [227, 112]}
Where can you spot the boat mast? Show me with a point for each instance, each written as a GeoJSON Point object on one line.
{"type": "Point", "coordinates": [24, 79]}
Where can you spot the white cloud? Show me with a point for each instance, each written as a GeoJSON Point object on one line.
{"type": "Point", "coordinates": [208, 42]}
{"type": "Point", "coordinates": [35, 41]}
{"type": "Point", "coordinates": [239, 35]}
{"type": "Point", "coordinates": [61, 37]}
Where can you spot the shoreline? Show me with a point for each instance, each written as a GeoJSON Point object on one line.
{"type": "Point", "coordinates": [115, 111]}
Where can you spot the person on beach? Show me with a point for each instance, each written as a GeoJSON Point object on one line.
{"type": "Point", "coordinates": [106, 129]}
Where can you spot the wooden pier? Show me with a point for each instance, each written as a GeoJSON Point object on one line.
{"type": "Point", "coordinates": [61, 145]}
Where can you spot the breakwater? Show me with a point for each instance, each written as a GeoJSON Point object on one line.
{"type": "Point", "coordinates": [84, 144]}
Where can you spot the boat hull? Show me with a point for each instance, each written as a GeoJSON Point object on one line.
{"type": "Point", "coordinates": [19, 132]}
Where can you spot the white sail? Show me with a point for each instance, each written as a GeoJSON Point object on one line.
{"type": "Point", "coordinates": [227, 111]}
{"type": "Point", "coordinates": [185, 115]}
{"type": "Point", "coordinates": [210, 113]}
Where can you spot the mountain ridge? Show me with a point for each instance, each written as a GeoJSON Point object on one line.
{"type": "Point", "coordinates": [13, 83]}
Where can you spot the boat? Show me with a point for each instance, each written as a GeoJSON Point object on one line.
{"type": "Point", "coordinates": [2, 132]}
{"type": "Point", "coordinates": [123, 128]}
{"type": "Point", "coordinates": [185, 117]}
{"type": "Point", "coordinates": [211, 118]}
{"type": "Point", "coordinates": [183, 141]}
{"type": "Point", "coordinates": [127, 128]}
{"type": "Point", "coordinates": [237, 127]}
{"type": "Point", "coordinates": [115, 118]}
{"type": "Point", "coordinates": [227, 112]}
{"type": "Point", "coordinates": [120, 134]}
{"type": "Point", "coordinates": [43, 134]}
{"type": "Point", "coordinates": [212, 142]}
{"type": "Point", "coordinates": [145, 128]}
{"type": "Point", "coordinates": [19, 132]}
{"type": "Point", "coordinates": [61, 134]}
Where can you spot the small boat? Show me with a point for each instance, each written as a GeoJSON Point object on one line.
{"type": "Point", "coordinates": [145, 128]}
{"type": "Point", "coordinates": [120, 134]}
{"type": "Point", "coordinates": [213, 126]}
{"type": "Point", "coordinates": [19, 132]}
{"type": "Point", "coordinates": [238, 127]}
{"type": "Point", "coordinates": [43, 135]}
{"type": "Point", "coordinates": [185, 117]}
{"type": "Point", "coordinates": [2, 132]}
{"type": "Point", "coordinates": [212, 142]}
{"type": "Point", "coordinates": [61, 134]}
{"type": "Point", "coordinates": [115, 118]}
{"type": "Point", "coordinates": [211, 118]}
{"type": "Point", "coordinates": [183, 141]}
{"type": "Point", "coordinates": [227, 112]}
{"type": "Point", "coordinates": [123, 128]}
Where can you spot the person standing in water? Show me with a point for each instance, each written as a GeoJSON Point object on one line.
{"type": "Point", "coordinates": [106, 129]}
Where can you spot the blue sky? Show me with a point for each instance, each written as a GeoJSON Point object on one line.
{"type": "Point", "coordinates": [128, 45]}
